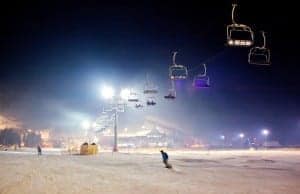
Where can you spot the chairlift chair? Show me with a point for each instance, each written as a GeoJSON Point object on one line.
{"type": "Point", "coordinates": [239, 35]}
{"type": "Point", "coordinates": [151, 102]}
{"type": "Point", "coordinates": [150, 90]}
{"type": "Point", "coordinates": [171, 95]}
{"type": "Point", "coordinates": [201, 80]}
{"type": "Point", "coordinates": [133, 97]}
{"type": "Point", "coordinates": [177, 72]}
{"type": "Point", "coordinates": [100, 130]}
{"type": "Point", "coordinates": [260, 55]}
{"type": "Point", "coordinates": [109, 109]}
{"type": "Point", "coordinates": [138, 105]}
{"type": "Point", "coordinates": [149, 87]}
{"type": "Point", "coordinates": [172, 92]}
{"type": "Point", "coordinates": [133, 100]}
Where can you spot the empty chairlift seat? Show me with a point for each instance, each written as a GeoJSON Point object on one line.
{"type": "Point", "coordinates": [171, 95]}
{"type": "Point", "coordinates": [201, 80]}
{"type": "Point", "coordinates": [133, 97]}
{"type": "Point", "coordinates": [151, 102]}
{"type": "Point", "coordinates": [172, 91]}
{"type": "Point", "coordinates": [260, 55]}
{"type": "Point", "coordinates": [149, 87]}
{"type": "Point", "coordinates": [150, 90]}
{"type": "Point", "coordinates": [239, 35]}
{"type": "Point", "coordinates": [139, 105]}
{"type": "Point", "coordinates": [177, 72]}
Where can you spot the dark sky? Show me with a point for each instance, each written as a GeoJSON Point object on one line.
{"type": "Point", "coordinates": [55, 55]}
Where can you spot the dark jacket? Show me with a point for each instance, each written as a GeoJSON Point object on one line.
{"type": "Point", "coordinates": [164, 156]}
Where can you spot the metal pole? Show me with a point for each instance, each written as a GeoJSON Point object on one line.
{"type": "Point", "coordinates": [232, 13]}
{"type": "Point", "coordinates": [115, 149]}
{"type": "Point", "coordinates": [266, 141]}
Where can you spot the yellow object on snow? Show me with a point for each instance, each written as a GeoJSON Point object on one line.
{"type": "Point", "coordinates": [88, 149]}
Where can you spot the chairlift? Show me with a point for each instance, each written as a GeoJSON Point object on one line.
{"type": "Point", "coordinates": [133, 97]}
{"type": "Point", "coordinates": [172, 92]}
{"type": "Point", "coordinates": [133, 100]}
{"type": "Point", "coordinates": [239, 35]}
{"type": "Point", "coordinates": [109, 109]}
{"type": "Point", "coordinates": [171, 95]}
{"type": "Point", "coordinates": [100, 130]}
{"type": "Point", "coordinates": [120, 107]}
{"type": "Point", "coordinates": [201, 80]}
{"type": "Point", "coordinates": [138, 105]}
{"type": "Point", "coordinates": [151, 102]}
{"type": "Point", "coordinates": [150, 90]}
{"type": "Point", "coordinates": [260, 55]}
{"type": "Point", "coordinates": [177, 72]}
{"type": "Point", "coordinates": [149, 87]}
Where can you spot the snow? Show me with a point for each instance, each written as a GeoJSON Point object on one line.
{"type": "Point", "coordinates": [262, 171]}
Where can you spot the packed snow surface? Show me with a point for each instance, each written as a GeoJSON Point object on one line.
{"type": "Point", "coordinates": [132, 172]}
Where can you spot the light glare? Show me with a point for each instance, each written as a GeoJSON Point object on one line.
{"type": "Point", "coordinates": [107, 92]}
{"type": "Point", "coordinates": [125, 93]}
{"type": "Point", "coordinates": [265, 132]}
{"type": "Point", "coordinates": [85, 124]}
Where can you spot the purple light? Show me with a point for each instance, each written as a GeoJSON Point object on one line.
{"type": "Point", "coordinates": [201, 82]}
{"type": "Point", "coordinates": [179, 83]}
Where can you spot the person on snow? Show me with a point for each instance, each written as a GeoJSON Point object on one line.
{"type": "Point", "coordinates": [165, 158]}
{"type": "Point", "coordinates": [39, 150]}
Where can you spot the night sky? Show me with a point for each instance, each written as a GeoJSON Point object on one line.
{"type": "Point", "coordinates": [56, 55]}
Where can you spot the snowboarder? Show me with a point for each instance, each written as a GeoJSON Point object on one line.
{"type": "Point", "coordinates": [39, 149]}
{"type": "Point", "coordinates": [165, 158]}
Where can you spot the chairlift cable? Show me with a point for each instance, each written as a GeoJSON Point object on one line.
{"type": "Point", "coordinates": [207, 61]}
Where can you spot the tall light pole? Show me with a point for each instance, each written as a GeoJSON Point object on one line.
{"type": "Point", "coordinates": [242, 135]}
{"type": "Point", "coordinates": [108, 93]}
{"type": "Point", "coordinates": [265, 133]}
{"type": "Point", "coordinates": [86, 126]}
{"type": "Point", "coordinates": [222, 137]}
{"type": "Point", "coordinates": [115, 149]}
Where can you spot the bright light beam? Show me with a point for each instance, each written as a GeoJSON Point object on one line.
{"type": "Point", "coordinates": [265, 132]}
{"type": "Point", "coordinates": [125, 94]}
{"type": "Point", "coordinates": [85, 124]}
{"type": "Point", "coordinates": [107, 92]}
{"type": "Point", "coordinates": [242, 135]}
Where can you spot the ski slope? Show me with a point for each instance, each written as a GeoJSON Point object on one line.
{"type": "Point", "coordinates": [132, 173]}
